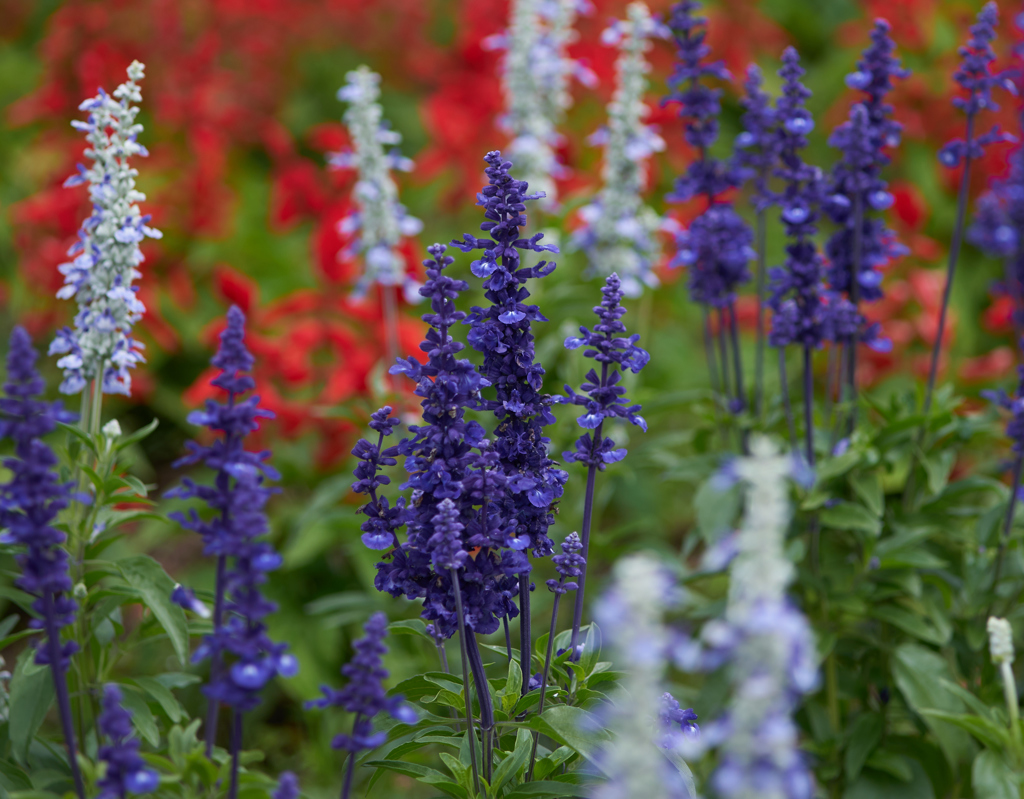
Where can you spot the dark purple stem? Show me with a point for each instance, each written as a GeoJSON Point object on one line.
{"type": "Point", "coordinates": [851, 360]}
{"type": "Point", "coordinates": [544, 682]}
{"type": "Point", "coordinates": [762, 237]}
{"type": "Point", "coordinates": [588, 511]}
{"type": "Point", "coordinates": [470, 729]}
{"type": "Point", "coordinates": [213, 706]}
{"type": "Point", "coordinates": [525, 633]}
{"type": "Point", "coordinates": [726, 387]}
{"type": "Point", "coordinates": [508, 637]}
{"type": "Point", "coordinates": [809, 404]}
{"type": "Point", "coordinates": [350, 770]}
{"type": "Point", "coordinates": [734, 336]}
{"type": "Point", "coordinates": [483, 695]}
{"type": "Point", "coordinates": [236, 748]}
{"type": "Point", "coordinates": [784, 388]}
{"type": "Point", "coordinates": [954, 254]}
{"type": "Point", "coordinates": [60, 687]}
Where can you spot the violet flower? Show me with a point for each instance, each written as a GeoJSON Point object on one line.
{"type": "Point", "coordinates": [30, 502]}
{"type": "Point", "coordinates": [287, 786]}
{"type": "Point", "coordinates": [863, 244]}
{"type": "Point", "coordinates": [757, 154]}
{"type": "Point", "coordinates": [364, 696]}
{"type": "Point", "coordinates": [716, 247]}
{"type": "Point", "coordinates": [977, 80]}
{"type": "Point", "coordinates": [602, 399]}
{"type": "Point", "coordinates": [126, 771]}
{"type": "Point", "coordinates": [243, 658]}
{"type": "Point", "coordinates": [503, 333]}
{"type": "Point", "coordinates": [804, 314]}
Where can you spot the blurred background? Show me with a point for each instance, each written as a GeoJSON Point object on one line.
{"type": "Point", "coordinates": [240, 115]}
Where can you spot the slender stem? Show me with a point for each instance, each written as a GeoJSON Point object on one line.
{"type": "Point", "coordinates": [508, 637]}
{"type": "Point", "coordinates": [350, 770]}
{"type": "Point", "coordinates": [96, 407]}
{"type": "Point", "coordinates": [544, 684]}
{"type": "Point", "coordinates": [737, 361]}
{"type": "Point", "coordinates": [809, 404]}
{"type": "Point", "coordinates": [444, 658]}
{"type": "Point", "coordinates": [709, 351]}
{"type": "Point", "coordinates": [588, 511]}
{"type": "Point", "coordinates": [213, 706]}
{"type": "Point", "coordinates": [762, 238]}
{"type": "Point", "coordinates": [525, 633]}
{"type": "Point", "coordinates": [483, 695]}
{"type": "Point", "coordinates": [833, 370]}
{"type": "Point", "coordinates": [832, 690]}
{"type": "Point", "coordinates": [954, 254]}
{"type": "Point", "coordinates": [726, 387]}
{"type": "Point", "coordinates": [236, 747]}
{"type": "Point", "coordinates": [1010, 692]}
{"type": "Point", "coordinates": [56, 656]}
{"type": "Point", "coordinates": [1011, 508]}
{"type": "Point", "coordinates": [390, 306]}
{"type": "Point", "coordinates": [784, 388]}
{"type": "Point", "coordinates": [858, 257]}
{"type": "Point", "coordinates": [470, 730]}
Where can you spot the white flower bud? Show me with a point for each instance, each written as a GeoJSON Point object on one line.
{"type": "Point", "coordinates": [1000, 640]}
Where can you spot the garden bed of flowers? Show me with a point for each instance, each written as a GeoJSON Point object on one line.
{"type": "Point", "coordinates": [691, 470]}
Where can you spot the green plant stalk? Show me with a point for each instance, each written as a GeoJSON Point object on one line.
{"type": "Point", "coordinates": [470, 730]}
{"type": "Point", "coordinates": [1010, 692]}
{"type": "Point", "coordinates": [1004, 539]}
{"type": "Point", "coordinates": [350, 769]}
{"type": "Point", "coordinates": [544, 685]}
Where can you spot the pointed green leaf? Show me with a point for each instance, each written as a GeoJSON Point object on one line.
{"type": "Point", "coordinates": [992, 778]}
{"type": "Point", "coordinates": [153, 586]}
{"type": "Point", "coordinates": [31, 695]}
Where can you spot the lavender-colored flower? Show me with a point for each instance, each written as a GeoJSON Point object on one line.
{"type": "Point", "coordinates": [446, 542]}
{"type": "Point", "coordinates": [446, 459]}
{"type": "Point", "coordinates": [716, 249]}
{"type": "Point", "coordinates": [804, 313]}
{"type": "Point", "coordinates": [379, 530]}
{"type": "Point", "coordinates": [855, 188]}
{"type": "Point", "coordinates": [569, 565]}
{"type": "Point", "coordinates": [619, 230]}
{"type": "Point", "coordinates": [535, 75]}
{"type": "Point", "coordinates": [126, 771]}
{"type": "Point", "coordinates": [107, 254]}
{"type": "Point", "coordinates": [244, 658]}
{"type": "Point", "coordinates": [603, 398]}
{"type": "Point", "coordinates": [977, 79]}
{"type": "Point", "coordinates": [33, 497]}
{"type": "Point", "coordinates": [30, 502]}
{"type": "Point", "coordinates": [757, 147]}
{"type": "Point", "coordinates": [380, 220]}
{"type": "Point", "coordinates": [287, 786]}
{"type": "Point", "coordinates": [364, 695]}
{"type": "Point", "coordinates": [698, 104]}
{"type": "Point", "coordinates": [676, 721]}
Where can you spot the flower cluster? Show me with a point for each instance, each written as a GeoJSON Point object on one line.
{"type": "Point", "coordinates": [503, 333]}
{"type": "Point", "coordinates": [107, 254]}
{"type": "Point", "coordinates": [380, 221]}
{"type": "Point", "coordinates": [757, 147]}
{"type": "Point", "coordinates": [569, 565]}
{"type": "Point", "coordinates": [447, 458]}
{"type": "Point", "coordinates": [536, 71]}
{"type": "Point", "coordinates": [977, 79]}
{"type": "Point", "coordinates": [619, 230]}
{"type": "Point", "coordinates": [804, 314]}
{"type": "Point", "coordinates": [1000, 640]}
{"type": "Point", "coordinates": [767, 641]}
{"type": "Point", "coordinates": [643, 720]}
{"type": "Point", "coordinates": [855, 187]}
{"type": "Point", "coordinates": [233, 533]}
{"type": "Point", "coordinates": [364, 695]}
{"type": "Point", "coordinates": [379, 530]}
{"type": "Point", "coordinates": [1015, 405]}
{"type": "Point", "coordinates": [32, 499]}
{"type": "Point", "coordinates": [126, 771]}
{"type": "Point", "coordinates": [603, 397]}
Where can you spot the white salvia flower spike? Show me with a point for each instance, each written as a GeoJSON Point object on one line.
{"type": "Point", "coordinates": [1000, 645]}
{"type": "Point", "coordinates": [767, 642]}
{"type": "Point", "coordinates": [107, 256]}
{"type": "Point", "coordinates": [619, 232]}
{"type": "Point", "coordinates": [536, 72]}
{"type": "Point", "coordinates": [643, 720]}
{"type": "Point", "coordinates": [380, 220]}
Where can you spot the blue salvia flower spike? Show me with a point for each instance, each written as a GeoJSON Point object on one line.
{"type": "Point", "coordinates": [30, 502]}
{"type": "Point", "coordinates": [126, 771]}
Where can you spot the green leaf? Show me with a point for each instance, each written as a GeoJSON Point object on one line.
{"type": "Point", "coordinates": [864, 737]}
{"type": "Point", "coordinates": [834, 467]}
{"type": "Point", "coordinates": [13, 778]}
{"type": "Point", "coordinates": [877, 785]}
{"type": "Point", "coordinates": [138, 435]}
{"type": "Point", "coordinates": [991, 778]}
{"type": "Point", "coordinates": [544, 788]}
{"type": "Point", "coordinates": [547, 765]}
{"type": "Point", "coordinates": [162, 695]}
{"type": "Point", "coordinates": [716, 510]}
{"type": "Point", "coordinates": [31, 695]}
{"type": "Point", "coordinates": [988, 732]}
{"type": "Point", "coordinates": [422, 774]}
{"type": "Point", "coordinates": [513, 763]}
{"type": "Point", "coordinates": [153, 586]}
{"type": "Point", "coordinates": [891, 763]}
{"type": "Point", "coordinates": [569, 726]}
{"type": "Point", "coordinates": [509, 695]}
{"type": "Point", "coordinates": [142, 717]}
{"type": "Point", "coordinates": [409, 627]}
{"type": "Point", "coordinates": [910, 623]}
{"type": "Point", "coordinates": [868, 486]}
{"type": "Point", "coordinates": [938, 468]}
{"type": "Point", "coordinates": [850, 516]}
{"type": "Point", "coordinates": [918, 673]}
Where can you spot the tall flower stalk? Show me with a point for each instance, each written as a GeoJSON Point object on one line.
{"type": "Point", "coordinates": [1000, 643]}
{"type": "Point", "coordinates": [380, 220]}
{"type": "Point", "coordinates": [30, 502]}
{"type": "Point", "coordinates": [242, 657]}
{"type": "Point", "coordinates": [602, 399]}
{"type": "Point", "coordinates": [106, 261]}
{"type": "Point", "coordinates": [126, 771]}
{"type": "Point", "coordinates": [716, 247]}
{"type": "Point", "coordinates": [977, 80]}
{"type": "Point", "coordinates": [503, 332]}
{"type": "Point", "coordinates": [364, 697]}
{"type": "Point", "coordinates": [863, 244]}
{"type": "Point", "coordinates": [536, 71]}
{"type": "Point", "coordinates": [619, 232]}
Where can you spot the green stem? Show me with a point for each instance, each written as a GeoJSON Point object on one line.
{"type": "Point", "coordinates": [1010, 692]}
